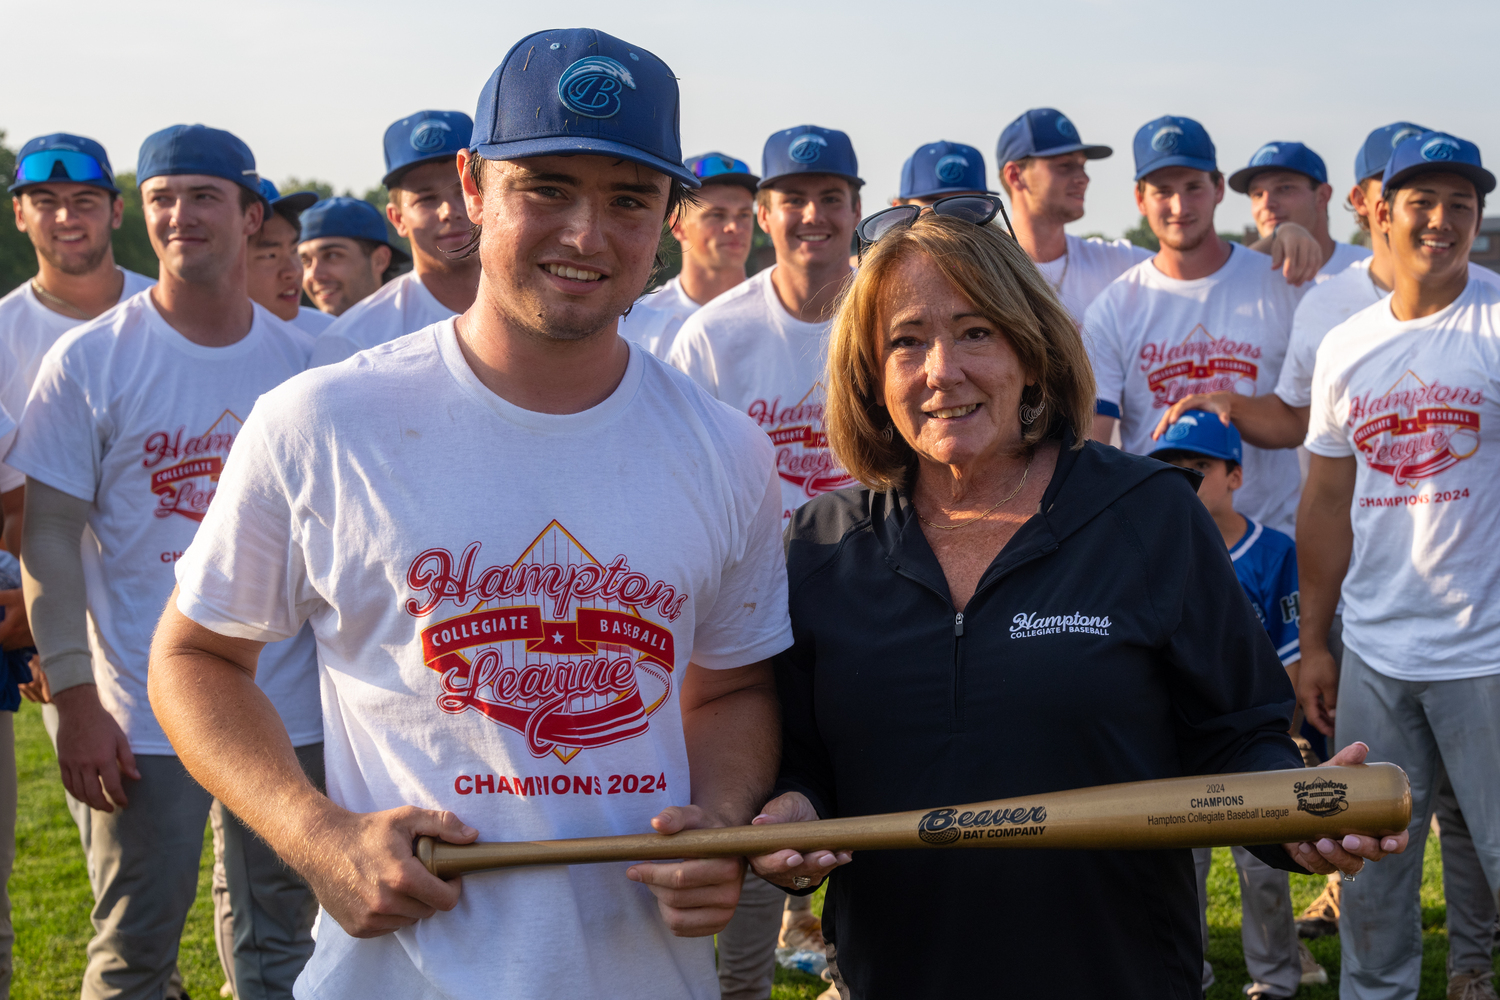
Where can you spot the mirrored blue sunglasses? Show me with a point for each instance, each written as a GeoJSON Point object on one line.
{"type": "Point", "coordinates": [59, 165]}
{"type": "Point", "coordinates": [712, 166]}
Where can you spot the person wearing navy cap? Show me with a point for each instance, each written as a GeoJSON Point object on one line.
{"type": "Point", "coordinates": [128, 426]}
{"type": "Point", "coordinates": [1288, 183]}
{"type": "Point", "coordinates": [426, 208]}
{"type": "Point", "coordinates": [1396, 520]}
{"type": "Point", "coordinates": [274, 275]}
{"type": "Point", "coordinates": [714, 235]}
{"type": "Point", "coordinates": [941, 170]}
{"type": "Point", "coordinates": [346, 253]}
{"type": "Point", "coordinates": [533, 619]}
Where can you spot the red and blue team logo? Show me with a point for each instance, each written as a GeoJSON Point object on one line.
{"type": "Point", "coordinates": [592, 86]}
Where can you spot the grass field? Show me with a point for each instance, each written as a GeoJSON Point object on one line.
{"type": "Point", "coordinates": [50, 904]}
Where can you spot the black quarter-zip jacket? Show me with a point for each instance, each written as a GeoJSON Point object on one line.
{"type": "Point", "coordinates": [893, 701]}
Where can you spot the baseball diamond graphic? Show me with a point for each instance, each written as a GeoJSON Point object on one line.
{"type": "Point", "coordinates": [190, 478]}
{"type": "Point", "coordinates": [554, 645]}
{"type": "Point", "coordinates": [803, 457]}
{"type": "Point", "coordinates": [1413, 431]}
{"type": "Point", "coordinates": [1201, 363]}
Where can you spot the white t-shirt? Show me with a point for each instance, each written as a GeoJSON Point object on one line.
{"type": "Point", "coordinates": [402, 305]}
{"type": "Point", "coordinates": [505, 606]}
{"type": "Point", "coordinates": [312, 321]}
{"type": "Point", "coordinates": [1324, 308]}
{"type": "Point", "coordinates": [749, 352]}
{"type": "Point", "coordinates": [131, 415]}
{"type": "Point", "coordinates": [1154, 340]}
{"type": "Point", "coordinates": [657, 316]}
{"type": "Point", "coordinates": [1087, 268]}
{"type": "Point", "coordinates": [1344, 256]}
{"type": "Point", "coordinates": [28, 329]}
{"type": "Point", "coordinates": [1415, 402]}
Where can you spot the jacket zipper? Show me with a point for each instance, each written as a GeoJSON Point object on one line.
{"type": "Point", "coordinates": [958, 624]}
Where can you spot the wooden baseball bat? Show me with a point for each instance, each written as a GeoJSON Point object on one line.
{"type": "Point", "coordinates": [1219, 810]}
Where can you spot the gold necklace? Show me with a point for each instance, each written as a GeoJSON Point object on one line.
{"type": "Point", "coordinates": [62, 303]}
{"type": "Point", "coordinates": [976, 517]}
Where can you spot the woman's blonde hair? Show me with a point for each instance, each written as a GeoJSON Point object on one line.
{"type": "Point", "coordinates": [988, 267]}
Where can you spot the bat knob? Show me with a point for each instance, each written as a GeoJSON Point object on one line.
{"type": "Point", "coordinates": [423, 851]}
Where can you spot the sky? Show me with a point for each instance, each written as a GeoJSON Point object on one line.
{"type": "Point", "coordinates": [311, 85]}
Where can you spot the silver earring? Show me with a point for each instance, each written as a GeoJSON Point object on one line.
{"type": "Point", "coordinates": [1029, 413]}
{"type": "Point", "coordinates": [889, 433]}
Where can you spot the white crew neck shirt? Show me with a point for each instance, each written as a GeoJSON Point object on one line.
{"type": "Point", "coordinates": [401, 306]}
{"type": "Point", "coordinates": [28, 329]}
{"type": "Point", "coordinates": [312, 321]}
{"type": "Point", "coordinates": [521, 669]}
{"type": "Point", "coordinates": [746, 350]}
{"type": "Point", "coordinates": [1154, 340]}
{"type": "Point", "coordinates": [1087, 268]}
{"type": "Point", "coordinates": [1344, 256]}
{"type": "Point", "coordinates": [1415, 403]}
{"type": "Point", "coordinates": [130, 415]}
{"type": "Point", "coordinates": [656, 317]}
{"type": "Point", "coordinates": [1324, 308]}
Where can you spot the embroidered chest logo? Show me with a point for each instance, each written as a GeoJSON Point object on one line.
{"type": "Point", "coordinates": [1415, 429]}
{"type": "Point", "coordinates": [802, 454]}
{"type": "Point", "coordinates": [1201, 363]}
{"type": "Point", "coordinates": [564, 649]}
{"type": "Point", "coordinates": [185, 468]}
{"type": "Point", "coordinates": [1025, 624]}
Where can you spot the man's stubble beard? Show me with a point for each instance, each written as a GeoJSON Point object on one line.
{"type": "Point", "coordinates": [74, 266]}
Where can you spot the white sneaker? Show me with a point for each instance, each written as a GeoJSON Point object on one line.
{"type": "Point", "coordinates": [1313, 974]}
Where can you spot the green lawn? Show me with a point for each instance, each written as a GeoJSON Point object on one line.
{"type": "Point", "coordinates": [50, 900]}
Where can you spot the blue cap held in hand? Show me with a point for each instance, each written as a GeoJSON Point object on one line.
{"type": "Point", "coordinates": [62, 157]}
{"type": "Point", "coordinates": [1293, 156]}
{"type": "Point", "coordinates": [1202, 433]}
{"type": "Point", "coordinates": [198, 149]}
{"type": "Point", "coordinates": [578, 91]}
{"type": "Point", "coordinates": [422, 138]}
{"type": "Point", "coordinates": [943, 168]}
{"type": "Point", "coordinates": [1173, 141]}
{"type": "Point", "coordinates": [1437, 153]}
{"type": "Point", "coordinates": [1372, 157]}
{"type": "Point", "coordinates": [290, 205]}
{"type": "Point", "coordinates": [1043, 132]}
{"type": "Point", "coordinates": [350, 218]}
{"type": "Point", "coordinates": [808, 149]}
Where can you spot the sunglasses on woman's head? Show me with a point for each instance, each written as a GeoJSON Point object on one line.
{"type": "Point", "coordinates": [979, 209]}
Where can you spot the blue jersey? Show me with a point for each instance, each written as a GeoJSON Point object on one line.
{"type": "Point", "coordinates": [1265, 561]}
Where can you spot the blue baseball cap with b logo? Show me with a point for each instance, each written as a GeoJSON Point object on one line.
{"type": "Point", "coordinates": [1043, 132]}
{"type": "Point", "coordinates": [422, 138]}
{"type": "Point", "coordinates": [942, 168]}
{"type": "Point", "coordinates": [1293, 156]}
{"type": "Point", "coordinates": [578, 91]}
{"type": "Point", "coordinates": [1202, 433]}
{"type": "Point", "coordinates": [1372, 157]}
{"type": "Point", "coordinates": [61, 157]}
{"type": "Point", "coordinates": [808, 149]}
{"type": "Point", "coordinates": [1173, 141]}
{"type": "Point", "coordinates": [198, 149]}
{"type": "Point", "coordinates": [1437, 153]}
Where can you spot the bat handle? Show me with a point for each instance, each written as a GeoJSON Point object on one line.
{"type": "Point", "coordinates": [423, 851]}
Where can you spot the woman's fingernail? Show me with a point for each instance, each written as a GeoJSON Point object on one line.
{"type": "Point", "coordinates": [794, 861]}
{"type": "Point", "coordinates": [826, 861]}
{"type": "Point", "coordinates": [762, 816]}
{"type": "Point", "coordinates": [1325, 845]}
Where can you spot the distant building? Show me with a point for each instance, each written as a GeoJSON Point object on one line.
{"type": "Point", "coordinates": [1486, 249]}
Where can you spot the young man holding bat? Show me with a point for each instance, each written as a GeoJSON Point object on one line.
{"type": "Point", "coordinates": [577, 666]}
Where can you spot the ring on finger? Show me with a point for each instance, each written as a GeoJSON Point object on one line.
{"type": "Point", "coordinates": [1347, 877]}
{"type": "Point", "coordinates": [801, 881]}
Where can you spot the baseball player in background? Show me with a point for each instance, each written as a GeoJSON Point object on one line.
{"type": "Point", "coordinates": [1288, 183]}
{"type": "Point", "coordinates": [346, 253]}
{"type": "Point", "coordinates": [273, 274]}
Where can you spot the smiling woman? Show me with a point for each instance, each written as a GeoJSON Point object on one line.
{"type": "Point", "coordinates": [921, 672]}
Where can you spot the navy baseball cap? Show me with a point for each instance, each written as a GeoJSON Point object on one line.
{"type": "Point", "coordinates": [423, 137]}
{"type": "Point", "coordinates": [808, 149]}
{"type": "Point", "coordinates": [942, 168]}
{"type": "Point", "coordinates": [351, 218]}
{"type": "Point", "coordinates": [198, 149]}
{"type": "Point", "coordinates": [290, 205]}
{"type": "Point", "coordinates": [578, 91]}
{"type": "Point", "coordinates": [63, 157]}
{"type": "Point", "coordinates": [1043, 132]}
{"type": "Point", "coordinates": [717, 168]}
{"type": "Point", "coordinates": [1293, 156]}
{"type": "Point", "coordinates": [1434, 153]}
{"type": "Point", "coordinates": [1172, 141]}
{"type": "Point", "coordinates": [1202, 433]}
{"type": "Point", "coordinates": [1372, 157]}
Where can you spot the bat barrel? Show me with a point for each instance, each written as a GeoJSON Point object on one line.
{"type": "Point", "coordinates": [1263, 807]}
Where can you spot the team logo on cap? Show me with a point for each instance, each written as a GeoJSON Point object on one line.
{"type": "Point", "coordinates": [1265, 154]}
{"type": "Point", "coordinates": [592, 86]}
{"type": "Point", "coordinates": [1166, 139]}
{"type": "Point", "coordinates": [807, 148]}
{"type": "Point", "coordinates": [1065, 128]}
{"type": "Point", "coordinates": [951, 168]}
{"type": "Point", "coordinates": [1441, 149]}
{"type": "Point", "coordinates": [1403, 134]}
{"type": "Point", "coordinates": [1182, 427]}
{"type": "Point", "coordinates": [429, 135]}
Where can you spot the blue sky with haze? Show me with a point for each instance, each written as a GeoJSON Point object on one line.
{"type": "Point", "coordinates": [312, 85]}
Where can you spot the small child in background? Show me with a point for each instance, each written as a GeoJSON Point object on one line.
{"type": "Point", "coordinates": [1265, 561]}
